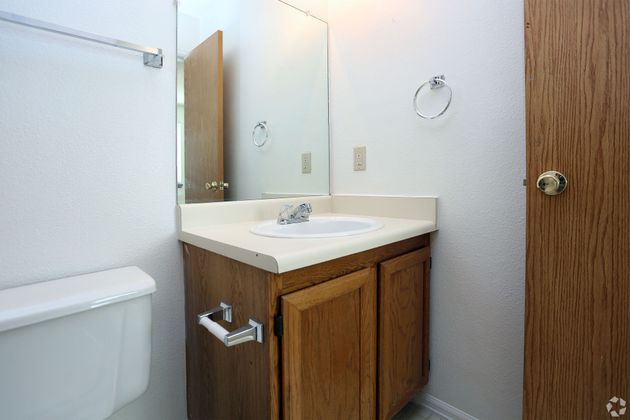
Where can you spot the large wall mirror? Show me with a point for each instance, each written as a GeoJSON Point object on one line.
{"type": "Point", "coordinates": [252, 101]}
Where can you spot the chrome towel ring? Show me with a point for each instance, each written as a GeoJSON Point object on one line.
{"type": "Point", "coordinates": [261, 127]}
{"type": "Point", "coordinates": [436, 82]}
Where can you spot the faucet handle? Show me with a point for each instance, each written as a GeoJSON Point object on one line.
{"type": "Point", "coordinates": [302, 212]}
{"type": "Point", "coordinates": [283, 215]}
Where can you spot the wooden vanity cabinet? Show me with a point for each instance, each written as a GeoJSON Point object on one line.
{"type": "Point", "coordinates": [344, 339]}
{"type": "Point", "coordinates": [403, 329]}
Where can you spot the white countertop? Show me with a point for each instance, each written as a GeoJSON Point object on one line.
{"type": "Point", "coordinates": [279, 255]}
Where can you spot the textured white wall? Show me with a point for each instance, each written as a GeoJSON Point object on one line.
{"type": "Point", "coordinates": [278, 73]}
{"type": "Point", "coordinates": [87, 162]}
{"type": "Point", "coordinates": [473, 159]}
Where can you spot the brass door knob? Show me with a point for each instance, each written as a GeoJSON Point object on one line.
{"type": "Point", "coordinates": [551, 182]}
{"type": "Point", "coordinates": [214, 185]}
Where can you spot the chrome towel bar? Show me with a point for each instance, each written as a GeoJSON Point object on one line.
{"type": "Point", "coordinates": [152, 57]}
{"type": "Point", "coordinates": [251, 332]}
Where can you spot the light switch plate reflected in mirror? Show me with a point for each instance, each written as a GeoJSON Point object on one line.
{"type": "Point", "coordinates": [306, 163]}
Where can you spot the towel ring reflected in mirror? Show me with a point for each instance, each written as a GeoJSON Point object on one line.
{"type": "Point", "coordinates": [436, 82]}
{"type": "Point", "coordinates": [261, 134]}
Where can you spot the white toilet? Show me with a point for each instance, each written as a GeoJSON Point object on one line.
{"type": "Point", "coordinates": [75, 348]}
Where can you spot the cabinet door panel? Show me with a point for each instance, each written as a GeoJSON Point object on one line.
{"type": "Point", "coordinates": [329, 349]}
{"type": "Point", "coordinates": [403, 329]}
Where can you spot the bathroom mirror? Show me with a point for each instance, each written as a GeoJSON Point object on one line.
{"type": "Point", "coordinates": [252, 101]}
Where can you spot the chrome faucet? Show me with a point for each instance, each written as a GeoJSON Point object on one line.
{"type": "Point", "coordinates": [294, 214]}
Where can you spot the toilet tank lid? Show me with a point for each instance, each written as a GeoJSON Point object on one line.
{"type": "Point", "coordinates": [25, 305]}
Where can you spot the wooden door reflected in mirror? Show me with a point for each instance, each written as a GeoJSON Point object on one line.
{"type": "Point", "coordinates": [203, 126]}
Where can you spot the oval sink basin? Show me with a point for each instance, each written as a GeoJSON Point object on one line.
{"type": "Point", "coordinates": [319, 227]}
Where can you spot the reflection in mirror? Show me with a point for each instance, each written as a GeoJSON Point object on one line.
{"type": "Point", "coordinates": [252, 101]}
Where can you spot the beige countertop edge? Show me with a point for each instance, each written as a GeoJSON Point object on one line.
{"type": "Point", "coordinates": [278, 255]}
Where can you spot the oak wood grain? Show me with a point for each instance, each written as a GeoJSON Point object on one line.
{"type": "Point", "coordinates": [315, 274]}
{"type": "Point", "coordinates": [235, 382]}
{"type": "Point", "coordinates": [577, 329]}
{"type": "Point", "coordinates": [203, 120]}
{"type": "Point", "coordinates": [403, 329]}
{"type": "Point", "coordinates": [329, 349]}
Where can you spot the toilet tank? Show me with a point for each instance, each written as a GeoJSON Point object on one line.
{"type": "Point", "coordinates": [75, 348]}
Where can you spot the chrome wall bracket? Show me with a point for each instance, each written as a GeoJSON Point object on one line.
{"type": "Point", "coordinates": [153, 60]}
{"type": "Point", "coordinates": [437, 82]}
{"type": "Point", "coordinates": [224, 309]}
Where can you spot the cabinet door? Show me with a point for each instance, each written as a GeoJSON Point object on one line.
{"type": "Point", "coordinates": [329, 349]}
{"type": "Point", "coordinates": [403, 329]}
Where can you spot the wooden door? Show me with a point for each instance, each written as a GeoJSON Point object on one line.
{"type": "Point", "coordinates": [577, 329]}
{"type": "Point", "coordinates": [329, 349]}
{"type": "Point", "coordinates": [203, 120]}
{"type": "Point", "coordinates": [403, 330]}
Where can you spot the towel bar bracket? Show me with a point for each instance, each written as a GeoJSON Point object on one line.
{"type": "Point", "coordinates": [153, 60]}
{"type": "Point", "coordinates": [223, 308]}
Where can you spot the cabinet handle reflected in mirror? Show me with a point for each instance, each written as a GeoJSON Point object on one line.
{"type": "Point", "coordinates": [214, 185]}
